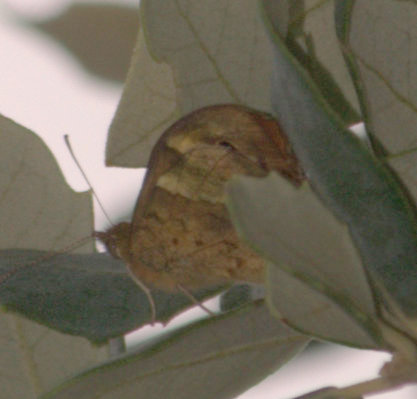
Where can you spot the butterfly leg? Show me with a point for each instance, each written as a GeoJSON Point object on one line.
{"type": "Point", "coordinates": [194, 300]}
{"type": "Point", "coordinates": [151, 301]}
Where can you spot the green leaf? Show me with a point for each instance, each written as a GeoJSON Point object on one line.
{"type": "Point", "coordinates": [351, 181]}
{"type": "Point", "coordinates": [88, 295]}
{"type": "Point", "coordinates": [217, 358]}
{"type": "Point", "coordinates": [318, 309]}
{"type": "Point", "coordinates": [379, 44]}
{"type": "Point", "coordinates": [237, 296]}
{"type": "Point", "coordinates": [308, 29]}
{"type": "Point", "coordinates": [193, 54]}
{"type": "Point", "coordinates": [315, 276]}
{"type": "Point", "coordinates": [40, 211]}
{"type": "Point", "coordinates": [34, 359]}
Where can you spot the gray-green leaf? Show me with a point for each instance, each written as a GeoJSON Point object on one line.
{"type": "Point", "coordinates": [88, 295]}
{"type": "Point", "coordinates": [189, 54]}
{"type": "Point", "coordinates": [351, 181]}
{"type": "Point", "coordinates": [315, 276]}
{"type": "Point", "coordinates": [217, 358]}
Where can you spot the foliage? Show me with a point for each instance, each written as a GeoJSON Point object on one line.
{"type": "Point", "coordinates": [341, 249]}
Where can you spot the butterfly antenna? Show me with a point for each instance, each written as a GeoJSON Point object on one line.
{"type": "Point", "coordinates": [68, 144]}
{"type": "Point", "coordinates": [50, 255]}
{"type": "Point", "coordinates": [194, 300]}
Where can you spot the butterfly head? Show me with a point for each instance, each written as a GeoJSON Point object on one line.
{"type": "Point", "coordinates": [116, 240]}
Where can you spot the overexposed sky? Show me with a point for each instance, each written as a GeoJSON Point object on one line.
{"type": "Point", "coordinates": [45, 88]}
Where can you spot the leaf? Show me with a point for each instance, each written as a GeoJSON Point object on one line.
{"type": "Point", "coordinates": [88, 295]}
{"type": "Point", "coordinates": [40, 211]}
{"type": "Point", "coordinates": [315, 308]}
{"type": "Point", "coordinates": [101, 36]}
{"type": "Point", "coordinates": [379, 43]}
{"type": "Point", "coordinates": [34, 359]}
{"type": "Point", "coordinates": [315, 277]}
{"type": "Point", "coordinates": [354, 184]}
{"type": "Point", "coordinates": [324, 393]}
{"type": "Point", "coordinates": [147, 107]}
{"type": "Point", "coordinates": [192, 55]}
{"type": "Point", "coordinates": [236, 296]}
{"type": "Point", "coordinates": [215, 358]}
{"type": "Point", "coordinates": [308, 29]}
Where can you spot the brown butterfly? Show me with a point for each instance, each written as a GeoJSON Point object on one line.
{"type": "Point", "coordinates": [181, 236]}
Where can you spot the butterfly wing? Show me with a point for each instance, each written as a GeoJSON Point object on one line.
{"type": "Point", "coordinates": [181, 233]}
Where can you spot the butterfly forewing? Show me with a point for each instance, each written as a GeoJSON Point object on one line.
{"type": "Point", "coordinates": [181, 233]}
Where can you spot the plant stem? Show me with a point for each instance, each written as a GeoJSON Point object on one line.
{"type": "Point", "coordinates": [377, 385]}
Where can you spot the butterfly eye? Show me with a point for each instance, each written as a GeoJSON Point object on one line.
{"type": "Point", "coordinates": [110, 242]}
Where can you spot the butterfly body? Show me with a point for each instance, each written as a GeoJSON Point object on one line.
{"type": "Point", "coordinates": [181, 233]}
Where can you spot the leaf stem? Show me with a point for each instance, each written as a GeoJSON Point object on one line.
{"type": "Point", "coordinates": [377, 385]}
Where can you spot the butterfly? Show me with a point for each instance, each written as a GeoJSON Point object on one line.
{"type": "Point", "coordinates": [181, 236]}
